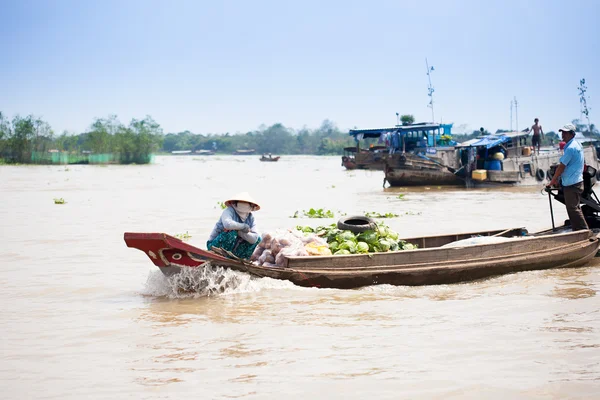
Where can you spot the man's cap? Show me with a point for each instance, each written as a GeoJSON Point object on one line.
{"type": "Point", "coordinates": [568, 128]}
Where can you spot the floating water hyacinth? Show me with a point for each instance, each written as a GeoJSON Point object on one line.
{"type": "Point", "coordinates": [183, 236]}
{"type": "Point", "coordinates": [373, 214]}
{"type": "Point", "coordinates": [316, 213]}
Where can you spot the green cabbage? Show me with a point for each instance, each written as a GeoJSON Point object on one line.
{"type": "Point", "coordinates": [351, 246]}
{"type": "Point", "coordinates": [367, 237]}
{"type": "Point", "coordinates": [383, 231]}
{"type": "Point", "coordinates": [392, 235]}
{"type": "Point", "coordinates": [384, 245]}
{"type": "Point", "coordinates": [346, 235]}
{"type": "Point", "coordinates": [343, 251]}
{"type": "Point", "coordinates": [409, 246]}
{"type": "Point", "coordinates": [362, 247]}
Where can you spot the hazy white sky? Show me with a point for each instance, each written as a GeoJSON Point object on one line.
{"type": "Point", "coordinates": [230, 66]}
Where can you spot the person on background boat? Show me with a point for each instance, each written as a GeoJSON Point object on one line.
{"type": "Point", "coordinates": [570, 172]}
{"type": "Point", "coordinates": [536, 128]}
{"type": "Point", "coordinates": [236, 230]}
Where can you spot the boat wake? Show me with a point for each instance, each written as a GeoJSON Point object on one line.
{"type": "Point", "coordinates": [207, 281]}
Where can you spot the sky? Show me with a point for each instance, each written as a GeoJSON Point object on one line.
{"type": "Point", "coordinates": [232, 66]}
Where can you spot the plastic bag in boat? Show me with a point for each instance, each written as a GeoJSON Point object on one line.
{"type": "Point", "coordinates": [478, 240]}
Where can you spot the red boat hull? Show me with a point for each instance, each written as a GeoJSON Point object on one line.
{"type": "Point", "coordinates": [168, 253]}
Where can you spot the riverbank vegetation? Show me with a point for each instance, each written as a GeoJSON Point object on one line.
{"type": "Point", "coordinates": [32, 140]}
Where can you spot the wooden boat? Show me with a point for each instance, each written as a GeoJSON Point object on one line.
{"type": "Point", "coordinates": [244, 152]}
{"type": "Point", "coordinates": [269, 158]}
{"type": "Point", "coordinates": [417, 170]}
{"type": "Point", "coordinates": [490, 160]}
{"type": "Point", "coordinates": [503, 159]}
{"type": "Point", "coordinates": [428, 265]}
{"type": "Point", "coordinates": [433, 139]}
{"type": "Point", "coordinates": [204, 152]}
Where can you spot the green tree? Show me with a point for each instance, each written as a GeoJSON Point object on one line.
{"type": "Point", "coordinates": [407, 119]}
{"type": "Point", "coordinates": [28, 134]}
{"type": "Point", "coordinates": [275, 139]}
{"type": "Point", "coordinates": [5, 133]}
{"type": "Point", "coordinates": [102, 131]}
{"type": "Point", "coordinates": [137, 142]}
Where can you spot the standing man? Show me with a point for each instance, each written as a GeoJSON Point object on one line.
{"type": "Point", "coordinates": [537, 130]}
{"type": "Point", "coordinates": [570, 172]}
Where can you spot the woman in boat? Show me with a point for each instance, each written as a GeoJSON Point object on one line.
{"type": "Point", "coordinates": [236, 230]}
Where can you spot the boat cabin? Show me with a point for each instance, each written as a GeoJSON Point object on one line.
{"type": "Point", "coordinates": [406, 137]}
{"type": "Point", "coordinates": [373, 146]}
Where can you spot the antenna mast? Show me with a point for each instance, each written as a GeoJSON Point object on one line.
{"type": "Point", "coordinates": [511, 106]}
{"type": "Point", "coordinates": [583, 102]}
{"type": "Point", "coordinates": [430, 89]}
{"type": "Point", "coordinates": [516, 115]}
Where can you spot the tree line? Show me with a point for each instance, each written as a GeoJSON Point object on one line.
{"type": "Point", "coordinates": [328, 139]}
{"type": "Point", "coordinates": [23, 137]}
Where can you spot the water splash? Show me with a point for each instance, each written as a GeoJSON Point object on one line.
{"type": "Point", "coordinates": [206, 281]}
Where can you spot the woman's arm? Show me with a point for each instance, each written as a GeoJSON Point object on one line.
{"type": "Point", "coordinates": [251, 235]}
{"type": "Point", "coordinates": [229, 223]}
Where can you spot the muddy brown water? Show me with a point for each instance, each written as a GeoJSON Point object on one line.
{"type": "Point", "coordinates": [83, 316]}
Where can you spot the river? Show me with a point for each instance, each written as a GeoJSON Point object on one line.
{"type": "Point", "coordinates": [83, 316]}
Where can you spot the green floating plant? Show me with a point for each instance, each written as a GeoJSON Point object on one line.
{"type": "Point", "coordinates": [59, 201]}
{"type": "Point", "coordinates": [373, 214]}
{"type": "Point", "coordinates": [183, 236]}
{"type": "Point", "coordinates": [315, 213]}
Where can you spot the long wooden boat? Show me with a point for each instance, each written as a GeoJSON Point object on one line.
{"type": "Point", "coordinates": [430, 264]}
{"type": "Point", "coordinates": [244, 152]}
{"type": "Point", "coordinates": [418, 170]}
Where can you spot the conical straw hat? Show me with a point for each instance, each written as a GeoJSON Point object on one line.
{"type": "Point", "coordinates": [243, 196]}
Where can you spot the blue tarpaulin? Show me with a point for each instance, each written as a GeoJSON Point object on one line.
{"type": "Point", "coordinates": [488, 142]}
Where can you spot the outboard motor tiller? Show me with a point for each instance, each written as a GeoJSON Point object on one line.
{"type": "Point", "coordinates": [590, 205]}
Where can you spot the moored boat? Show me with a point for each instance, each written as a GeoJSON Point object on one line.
{"type": "Point", "coordinates": [244, 152]}
{"type": "Point", "coordinates": [377, 147]}
{"type": "Point", "coordinates": [204, 152]}
{"type": "Point", "coordinates": [417, 170]}
{"type": "Point", "coordinates": [501, 159]}
{"type": "Point", "coordinates": [498, 159]}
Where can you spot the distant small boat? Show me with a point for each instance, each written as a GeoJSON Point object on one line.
{"type": "Point", "coordinates": [269, 158]}
{"type": "Point", "coordinates": [181, 152]}
{"type": "Point", "coordinates": [204, 152]}
{"type": "Point", "coordinates": [244, 152]}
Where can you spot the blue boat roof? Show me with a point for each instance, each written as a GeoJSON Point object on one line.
{"type": "Point", "coordinates": [487, 141]}
{"type": "Point", "coordinates": [373, 133]}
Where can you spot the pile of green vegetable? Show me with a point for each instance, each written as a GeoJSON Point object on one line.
{"type": "Point", "coordinates": [340, 241]}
